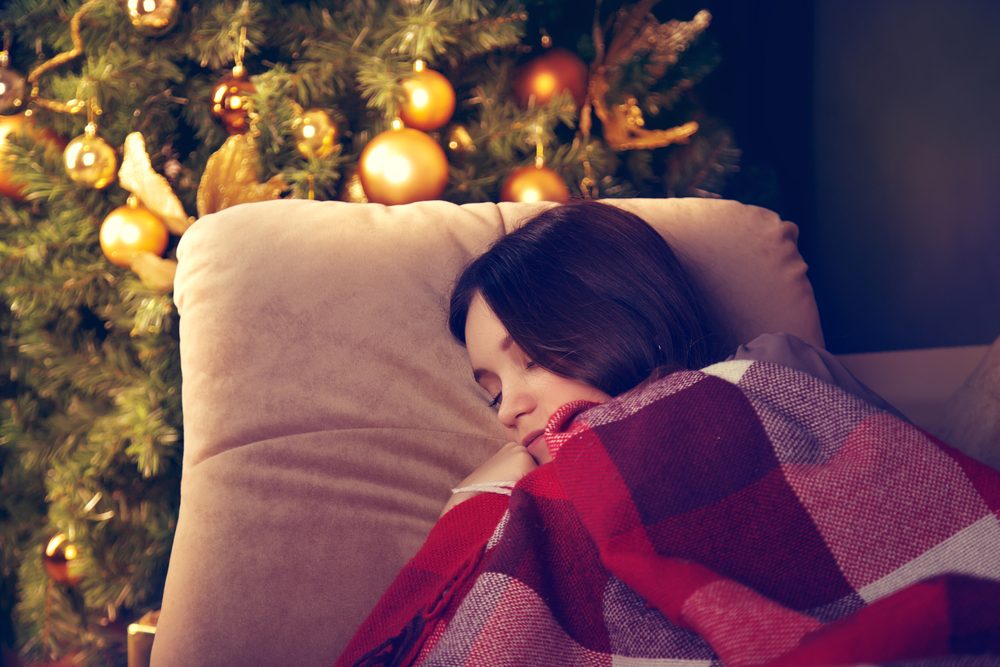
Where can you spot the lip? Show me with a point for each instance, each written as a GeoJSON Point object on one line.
{"type": "Point", "coordinates": [531, 437]}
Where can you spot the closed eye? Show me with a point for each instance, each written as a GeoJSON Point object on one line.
{"type": "Point", "coordinates": [495, 401]}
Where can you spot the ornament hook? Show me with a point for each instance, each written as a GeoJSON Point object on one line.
{"type": "Point", "coordinates": [238, 69]}
{"type": "Point", "coordinates": [539, 148]}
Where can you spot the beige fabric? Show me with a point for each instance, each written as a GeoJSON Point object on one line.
{"type": "Point", "coordinates": [971, 419]}
{"type": "Point", "coordinates": [327, 412]}
{"type": "Point", "coordinates": [920, 383]}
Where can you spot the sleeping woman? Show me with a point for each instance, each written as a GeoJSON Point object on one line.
{"type": "Point", "coordinates": [662, 498]}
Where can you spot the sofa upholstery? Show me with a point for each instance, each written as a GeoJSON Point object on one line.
{"type": "Point", "coordinates": [327, 411]}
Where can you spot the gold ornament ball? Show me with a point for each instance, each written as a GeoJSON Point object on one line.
{"type": "Point", "coordinates": [403, 166]}
{"type": "Point", "coordinates": [230, 101]}
{"type": "Point", "coordinates": [548, 74]}
{"type": "Point", "coordinates": [315, 133]}
{"type": "Point", "coordinates": [130, 229]}
{"type": "Point", "coordinates": [10, 125]}
{"type": "Point", "coordinates": [60, 561]}
{"type": "Point", "coordinates": [531, 184]}
{"type": "Point", "coordinates": [430, 100]}
{"type": "Point", "coordinates": [90, 161]}
{"type": "Point", "coordinates": [19, 124]}
{"type": "Point", "coordinates": [12, 91]}
{"type": "Point", "coordinates": [152, 18]}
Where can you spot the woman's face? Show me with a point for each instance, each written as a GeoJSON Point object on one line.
{"type": "Point", "coordinates": [525, 394]}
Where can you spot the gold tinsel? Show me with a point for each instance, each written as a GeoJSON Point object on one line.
{"type": "Point", "coordinates": [73, 106]}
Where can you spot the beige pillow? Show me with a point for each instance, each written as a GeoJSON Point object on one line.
{"type": "Point", "coordinates": [327, 411]}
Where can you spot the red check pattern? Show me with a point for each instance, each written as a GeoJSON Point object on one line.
{"type": "Point", "coordinates": [746, 514]}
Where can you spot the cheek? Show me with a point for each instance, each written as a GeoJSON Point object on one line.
{"type": "Point", "coordinates": [596, 395]}
{"type": "Point", "coordinates": [561, 391]}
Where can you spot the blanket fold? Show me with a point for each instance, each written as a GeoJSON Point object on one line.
{"type": "Point", "coordinates": [745, 514]}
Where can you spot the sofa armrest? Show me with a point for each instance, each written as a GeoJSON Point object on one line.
{"type": "Point", "coordinates": [945, 391]}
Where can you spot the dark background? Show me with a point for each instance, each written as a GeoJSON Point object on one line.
{"type": "Point", "coordinates": [879, 123]}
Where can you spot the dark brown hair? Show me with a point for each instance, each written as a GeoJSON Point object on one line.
{"type": "Point", "coordinates": [591, 292]}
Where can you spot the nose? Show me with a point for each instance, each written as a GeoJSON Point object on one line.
{"type": "Point", "coordinates": [517, 400]}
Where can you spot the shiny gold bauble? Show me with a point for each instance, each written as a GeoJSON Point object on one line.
{"type": "Point", "coordinates": [403, 166]}
{"type": "Point", "coordinates": [60, 561]}
{"type": "Point", "coordinates": [90, 161]}
{"type": "Point", "coordinates": [548, 74]}
{"type": "Point", "coordinates": [315, 133]}
{"type": "Point", "coordinates": [20, 125]}
{"type": "Point", "coordinates": [152, 17]}
{"type": "Point", "coordinates": [230, 101]}
{"type": "Point", "coordinates": [430, 100]}
{"type": "Point", "coordinates": [131, 229]}
{"type": "Point", "coordinates": [13, 91]}
{"type": "Point", "coordinates": [10, 125]}
{"type": "Point", "coordinates": [531, 184]}
{"type": "Point", "coordinates": [460, 142]}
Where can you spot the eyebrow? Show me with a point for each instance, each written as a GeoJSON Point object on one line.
{"type": "Point", "coordinates": [477, 373]}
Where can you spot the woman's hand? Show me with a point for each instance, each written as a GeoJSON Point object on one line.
{"type": "Point", "coordinates": [509, 464]}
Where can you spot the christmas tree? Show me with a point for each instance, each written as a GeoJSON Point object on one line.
{"type": "Point", "coordinates": [123, 121]}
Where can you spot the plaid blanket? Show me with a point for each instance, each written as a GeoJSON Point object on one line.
{"type": "Point", "coordinates": [745, 514]}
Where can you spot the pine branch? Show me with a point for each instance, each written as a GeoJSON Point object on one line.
{"type": "Point", "coordinates": [215, 41]}
{"type": "Point", "coordinates": [379, 83]}
{"type": "Point", "coordinates": [700, 168]}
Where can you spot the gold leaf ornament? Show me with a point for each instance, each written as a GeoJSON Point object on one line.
{"type": "Point", "coordinates": [153, 190]}
{"type": "Point", "coordinates": [636, 31]}
{"type": "Point", "coordinates": [156, 273]}
{"type": "Point", "coordinates": [232, 177]}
